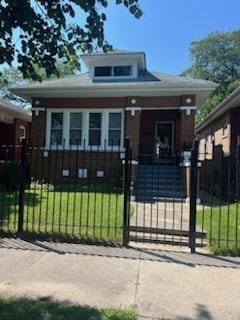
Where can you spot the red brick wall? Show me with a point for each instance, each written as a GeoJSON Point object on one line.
{"type": "Point", "coordinates": [132, 131]}
{"type": "Point", "coordinates": [7, 133]}
{"type": "Point", "coordinates": [50, 167]}
{"type": "Point", "coordinates": [38, 128]}
{"type": "Point", "coordinates": [187, 128]}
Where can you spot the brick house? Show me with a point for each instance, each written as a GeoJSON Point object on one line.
{"type": "Point", "coordinates": [118, 97]}
{"type": "Point", "coordinates": [219, 135]}
{"type": "Point", "coordinates": [15, 123]}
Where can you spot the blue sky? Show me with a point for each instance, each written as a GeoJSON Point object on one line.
{"type": "Point", "coordinates": [168, 27]}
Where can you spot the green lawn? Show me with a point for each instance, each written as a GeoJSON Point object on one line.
{"type": "Point", "coordinates": [45, 309]}
{"type": "Point", "coordinates": [87, 212]}
{"type": "Point", "coordinates": [222, 223]}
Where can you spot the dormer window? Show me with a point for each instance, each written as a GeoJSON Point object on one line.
{"type": "Point", "coordinates": [103, 72]}
{"type": "Point", "coordinates": [121, 71]}
{"type": "Point", "coordinates": [113, 71]}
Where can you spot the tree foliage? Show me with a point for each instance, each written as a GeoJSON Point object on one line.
{"type": "Point", "coordinates": [216, 58]}
{"type": "Point", "coordinates": [12, 77]}
{"type": "Point", "coordinates": [37, 33]}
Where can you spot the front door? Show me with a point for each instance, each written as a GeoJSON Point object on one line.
{"type": "Point", "coordinates": [163, 141]}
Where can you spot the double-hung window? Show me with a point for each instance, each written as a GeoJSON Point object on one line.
{"type": "Point", "coordinates": [56, 128]}
{"type": "Point", "coordinates": [75, 130]}
{"type": "Point", "coordinates": [114, 129]}
{"type": "Point", "coordinates": [95, 129]}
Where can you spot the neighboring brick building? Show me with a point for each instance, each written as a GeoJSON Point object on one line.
{"type": "Point", "coordinates": [219, 138]}
{"type": "Point", "coordinates": [15, 125]}
{"type": "Point", "coordinates": [117, 98]}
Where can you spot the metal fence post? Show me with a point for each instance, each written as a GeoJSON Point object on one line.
{"type": "Point", "coordinates": [193, 197]}
{"type": "Point", "coordinates": [126, 187]}
{"type": "Point", "coordinates": [23, 172]}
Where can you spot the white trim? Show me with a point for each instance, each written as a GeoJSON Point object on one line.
{"type": "Point", "coordinates": [21, 138]}
{"type": "Point", "coordinates": [85, 129]}
{"type": "Point", "coordinates": [134, 162]}
{"type": "Point", "coordinates": [36, 110]}
{"type": "Point", "coordinates": [188, 109]}
{"type": "Point", "coordinates": [133, 110]}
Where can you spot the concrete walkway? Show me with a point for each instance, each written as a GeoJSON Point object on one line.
{"type": "Point", "coordinates": [159, 282]}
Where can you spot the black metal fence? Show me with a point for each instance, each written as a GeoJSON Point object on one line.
{"type": "Point", "coordinates": [80, 192]}
{"type": "Point", "coordinates": [218, 197]}
{"type": "Point", "coordinates": [74, 191]}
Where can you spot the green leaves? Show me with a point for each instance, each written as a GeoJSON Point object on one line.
{"type": "Point", "coordinates": [216, 58]}
{"type": "Point", "coordinates": [47, 31]}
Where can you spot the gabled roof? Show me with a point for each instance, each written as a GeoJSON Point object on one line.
{"type": "Point", "coordinates": [232, 101]}
{"type": "Point", "coordinates": [147, 84]}
{"type": "Point", "coordinates": [14, 111]}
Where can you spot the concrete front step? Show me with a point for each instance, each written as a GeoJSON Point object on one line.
{"type": "Point", "coordinates": [156, 191]}
{"type": "Point", "coordinates": [149, 171]}
{"type": "Point", "coordinates": [167, 197]}
{"type": "Point", "coordinates": [162, 192]}
{"type": "Point", "coordinates": [158, 181]}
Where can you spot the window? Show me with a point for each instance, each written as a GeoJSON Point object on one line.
{"type": "Point", "coordinates": [22, 133]}
{"type": "Point", "coordinates": [75, 134]}
{"type": "Point", "coordinates": [95, 123]}
{"type": "Point", "coordinates": [115, 129]}
{"type": "Point", "coordinates": [56, 128]}
{"type": "Point", "coordinates": [103, 71]}
{"type": "Point", "coordinates": [120, 71]}
{"type": "Point", "coordinates": [113, 71]}
{"type": "Point", "coordinates": [225, 129]}
{"type": "Point", "coordinates": [95, 126]}
{"type": "Point", "coordinates": [212, 135]}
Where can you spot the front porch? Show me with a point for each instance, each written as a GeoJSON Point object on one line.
{"type": "Point", "coordinates": [159, 136]}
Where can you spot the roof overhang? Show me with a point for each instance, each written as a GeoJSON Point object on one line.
{"type": "Point", "coordinates": [142, 90]}
{"type": "Point", "coordinates": [110, 57]}
{"type": "Point", "coordinates": [231, 102]}
{"type": "Point", "coordinates": [10, 111]}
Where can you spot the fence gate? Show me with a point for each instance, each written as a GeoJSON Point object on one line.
{"type": "Point", "coordinates": [159, 210]}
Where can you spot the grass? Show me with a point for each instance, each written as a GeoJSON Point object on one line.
{"type": "Point", "coordinates": [46, 309]}
{"type": "Point", "coordinates": [222, 225]}
{"type": "Point", "coordinates": [88, 212]}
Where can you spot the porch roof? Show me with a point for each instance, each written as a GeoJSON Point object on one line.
{"type": "Point", "coordinates": [10, 111]}
{"type": "Point", "coordinates": [148, 83]}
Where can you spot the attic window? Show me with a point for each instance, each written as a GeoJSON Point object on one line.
{"type": "Point", "coordinates": [120, 71]}
{"type": "Point", "coordinates": [113, 71]}
{"type": "Point", "coordinates": [103, 71]}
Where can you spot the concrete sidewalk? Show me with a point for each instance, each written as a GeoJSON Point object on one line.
{"type": "Point", "coordinates": [160, 283]}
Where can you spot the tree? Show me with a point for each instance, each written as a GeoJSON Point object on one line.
{"type": "Point", "coordinates": [216, 58]}
{"type": "Point", "coordinates": [37, 33]}
{"type": "Point", "coordinates": [12, 76]}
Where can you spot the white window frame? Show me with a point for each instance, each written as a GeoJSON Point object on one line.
{"type": "Point", "coordinates": [101, 130]}
{"type": "Point", "coordinates": [134, 67]}
{"type": "Point", "coordinates": [85, 129]}
{"type": "Point", "coordinates": [21, 138]}
{"type": "Point", "coordinates": [108, 128]}
{"type": "Point", "coordinates": [69, 127]}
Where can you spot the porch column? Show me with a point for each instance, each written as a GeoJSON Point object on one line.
{"type": "Point", "coordinates": [187, 126]}
{"type": "Point", "coordinates": [38, 126]}
{"type": "Point", "coordinates": [132, 129]}
{"type": "Point", "coordinates": [187, 138]}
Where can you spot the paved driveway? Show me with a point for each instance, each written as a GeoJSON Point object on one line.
{"type": "Point", "coordinates": [160, 282]}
